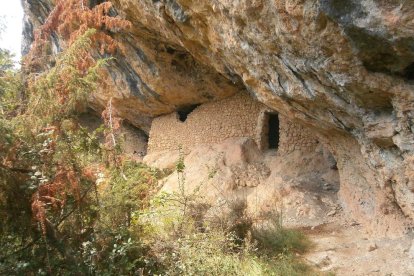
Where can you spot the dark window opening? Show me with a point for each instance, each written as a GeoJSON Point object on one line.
{"type": "Point", "coordinates": [273, 133]}
{"type": "Point", "coordinates": [409, 72]}
{"type": "Point", "coordinates": [185, 111]}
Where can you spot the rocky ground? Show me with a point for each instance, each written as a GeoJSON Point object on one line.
{"type": "Point", "coordinates": [346, 249]}
{"type": "Point", "coordinates": [304, 188]}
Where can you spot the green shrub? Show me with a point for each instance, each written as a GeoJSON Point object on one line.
{"type": "Point", "coordinates": [272, 238]}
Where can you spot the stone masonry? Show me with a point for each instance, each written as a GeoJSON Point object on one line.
{"type": "Point", "coordinates": [294, 137]}
{"type": "Point", "coordinates": [214, 122]}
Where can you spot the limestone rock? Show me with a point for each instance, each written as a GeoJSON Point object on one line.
{"type": "Point", "coordinates": [411, 250]}
{"type": "Point", "coordinates": [342, 68]}
{"type": "Point", "coordinates": [260, 186]}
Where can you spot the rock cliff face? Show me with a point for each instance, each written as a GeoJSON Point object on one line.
{"type": "Point", "coordinates": [343, 68]}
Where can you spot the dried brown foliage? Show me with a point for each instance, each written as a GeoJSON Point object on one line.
{"type": "Point", "coordinates": [54, 194]}
{"type": "Point", "coordinates": [70, 19]}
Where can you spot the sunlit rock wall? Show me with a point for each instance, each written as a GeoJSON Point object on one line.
{"type": "Point", "coordinates": [343, 68]}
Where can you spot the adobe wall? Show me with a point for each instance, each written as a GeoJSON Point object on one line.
{"type": "Point", "coordinates": [214, 122]}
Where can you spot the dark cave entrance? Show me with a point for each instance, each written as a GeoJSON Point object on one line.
{"type": "Point", "coordinates": [185, 111]}
{"type": "Point", "coordinates": [134, 140]}
{"type": "Point", "coordinates": [408, 72]}
{"type": "Point", "coordinates": [273, 130]}
{"type": "Point", "coordinates": [270, 131]}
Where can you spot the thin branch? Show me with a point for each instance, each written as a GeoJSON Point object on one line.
{"type": "Point", "coordinates": [19, 170]}
{"type": "Point", "coordinates": [20, 249]}
{"type": "Point", "coordinates": [111, 123]}
{"type": "Point", "coordinates": [74, 209]}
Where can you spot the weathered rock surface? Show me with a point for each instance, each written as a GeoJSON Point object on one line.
{"type": "Point", "coordinates": [302, 187]}
{"type": "Point", "coordinates": [343, 68]}
{"type": "Point", "coordinates": [346, 250]}
{"type": "Point", "coordinates": [236, 173]}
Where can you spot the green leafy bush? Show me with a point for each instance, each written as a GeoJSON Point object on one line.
{"type": "Point", "coordinates": [272, 238]}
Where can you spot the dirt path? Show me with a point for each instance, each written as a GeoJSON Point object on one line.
{"type": "Point", "coordinates": [346, 250]}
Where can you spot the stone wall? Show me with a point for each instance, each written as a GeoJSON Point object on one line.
{"type": "Point", "coordinates": [208, 124]}
{"type": "Point", "coordinates": [214, 122]}
{"type": "Point", "coordinates": [295, 137]}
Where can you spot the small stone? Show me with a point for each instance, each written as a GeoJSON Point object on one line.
{"type": "Point", "coordinates": [331, 213]}
{"type": "Point", "coordinates": [371, 247]}
{"type": "Point", "coordinates": [323, 260]}
{"type": "Point", "coordinates": [327, 187]}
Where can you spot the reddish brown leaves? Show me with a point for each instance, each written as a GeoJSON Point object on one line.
{"type": "Point", "coordinates": [70, 19]}
{"type": "Point", "coordinates": [54, 194]}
